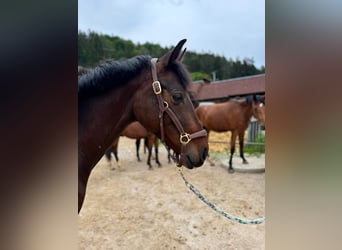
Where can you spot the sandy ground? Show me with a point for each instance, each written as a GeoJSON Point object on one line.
{"type": "Point", "coordinates": [137, 208]}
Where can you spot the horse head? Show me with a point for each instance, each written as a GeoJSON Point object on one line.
{"type": "Point", "coordinates": [258, 108]}
{"type": "Point", "coordinates": [164, 107]}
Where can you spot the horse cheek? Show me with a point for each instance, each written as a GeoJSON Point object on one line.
{"type": "Point", "coordinates": [147, 116]}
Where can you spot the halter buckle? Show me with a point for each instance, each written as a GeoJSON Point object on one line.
{"type": "Point", "coordinates": [156, 87]}
{"type": "Point", "coordinates": [184, 138]}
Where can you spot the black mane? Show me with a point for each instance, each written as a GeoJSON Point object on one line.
{"type": "Point", "coordinates": [110, 74]}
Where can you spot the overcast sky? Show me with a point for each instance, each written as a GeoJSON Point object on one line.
{"type": "Point", "coordinates": [230, 28]}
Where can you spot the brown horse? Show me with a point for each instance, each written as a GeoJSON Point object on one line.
{"type": "Point", "coordinates": [136, 131]}
{"type": "Point", "coordinates": [150, 90]}
{"type": "Point", "coordinates": [232, 116]}
{"type": "Point", "coordinates": [112, 152]}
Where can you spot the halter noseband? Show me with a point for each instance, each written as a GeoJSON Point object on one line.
{"type": "Point", "coordinates": [185, 137]}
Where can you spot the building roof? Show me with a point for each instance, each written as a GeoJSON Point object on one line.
{"type": "Point", "coordinates": [226, 89]}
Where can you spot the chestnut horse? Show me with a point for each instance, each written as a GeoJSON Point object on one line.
{"type": "Point", "coordinates": [150, 90]}
{"type": "Point", "coordinates": [136, 131]}
{"type": "Point", "coordinates": [232, 116]}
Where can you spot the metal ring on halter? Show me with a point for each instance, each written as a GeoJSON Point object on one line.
{"type": "Point", "coordinates": [184, 138]}
{"type": "Point", "coordinates": [156, 87]}
{"type": "Point", "coordinates": [166, 105]}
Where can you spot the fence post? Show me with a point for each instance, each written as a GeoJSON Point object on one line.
{"type": "Point", "coordinates": [253, 130]}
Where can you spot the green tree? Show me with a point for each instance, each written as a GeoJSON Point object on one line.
{"type": "Point", "coordinates": [94, 48]}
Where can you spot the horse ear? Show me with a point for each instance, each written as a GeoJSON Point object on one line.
{"type": "Point", "coordinates": [255, 98]}
{"type": "Point", "coordinates": [181, 56]}
{"type": "Point", "coordinates": [249, 99]}
{"type": "Point", "coordinates": [173, 55]}
{"type": "Point", "coordinates": [261, 99]}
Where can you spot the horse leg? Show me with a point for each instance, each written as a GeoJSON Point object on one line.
{"type": "Point", "coordinates": [149, 158]}
{"type": "Point", "coordinates": [232, 151]}
{"type": "Point", "coordinates": [208, 157]}
{"type": "Point", "coordinates": [137, 143]}
{"type": "Point", "coordinates": [241, 138]}
{"type": "Point", "coordinates": [108, 155]}
{"type": "Point", "coordinates": [156, 150]}
{"type": "Point", "coordinates": [112, 152]}
{"type": "Point", "coordinates": [115, 153]}
{"type": "Point", "coordinates": [157, 158]}
{"type": "Point", "coordinates": [168, 155]}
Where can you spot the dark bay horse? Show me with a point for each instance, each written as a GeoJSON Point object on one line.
{"type": "Point", "coordinates": [150, 90]}
{"type": "Point", "coordinates": [232, 116]}
{"type": "Point", "coordinates": [136, 131]}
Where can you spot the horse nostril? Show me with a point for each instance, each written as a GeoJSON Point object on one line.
{"type": "Point", "coordinates": [204, 153]}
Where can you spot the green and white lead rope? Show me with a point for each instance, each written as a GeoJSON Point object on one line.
{"type": "Point", "coordinates": [215, 207]}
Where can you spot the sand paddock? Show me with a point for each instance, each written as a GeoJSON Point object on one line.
{"type": "Point", "coordinates": [137, 208]}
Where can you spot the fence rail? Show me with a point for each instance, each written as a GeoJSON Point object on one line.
{"type": "Point", "coordinates": [237, 143]}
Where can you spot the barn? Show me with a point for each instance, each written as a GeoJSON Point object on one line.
{"type": "Point", "coordinates": [219, 91]}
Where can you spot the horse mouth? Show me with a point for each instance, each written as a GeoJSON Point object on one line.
{"type": "Point", "coordinates": [190, 164]}
{"type": "Point", "coordinates": [185, 160]}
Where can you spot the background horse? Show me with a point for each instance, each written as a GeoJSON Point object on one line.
{"type": "Point", "coordinates": [232, 116]}
{"type": "Point", "coordinates": [136, 131]}
{"type": "Point", "coordinates": [112, 152]}
{"type": "Point", "coordinates": [152, 91]}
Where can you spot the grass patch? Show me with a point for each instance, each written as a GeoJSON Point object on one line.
{"type": "Point", "coordinates": [256, 149]}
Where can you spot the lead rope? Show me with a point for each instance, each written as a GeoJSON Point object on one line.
{"type": "Point", "coordinates": [217, 208]}
{"type": "Point", "coordinates": [184, 139]}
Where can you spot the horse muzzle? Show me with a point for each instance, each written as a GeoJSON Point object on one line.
{"type": "Point", "coordinates": [190, 160]}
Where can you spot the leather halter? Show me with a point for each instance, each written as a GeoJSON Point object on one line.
{"type": "Point", "coordinates": [185, 137]}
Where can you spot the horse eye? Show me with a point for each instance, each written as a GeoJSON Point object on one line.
{"type": "Point", "coordinates": [177, 97]}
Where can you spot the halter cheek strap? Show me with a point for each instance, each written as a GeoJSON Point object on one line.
{"type": "Point", "coordinates": [185, 137]}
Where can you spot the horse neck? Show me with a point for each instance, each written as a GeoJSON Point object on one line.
{"type": "Point", "coordinates": [248, 110]}
{"type": "Point", "coordinates": [105, 117]}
